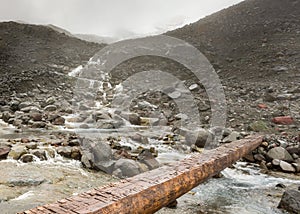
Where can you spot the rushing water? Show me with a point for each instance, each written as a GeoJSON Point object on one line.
{"type": "Point", "coordinates": [242, 189]}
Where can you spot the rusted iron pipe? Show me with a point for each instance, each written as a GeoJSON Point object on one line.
{"type": "Point", "coordinates": [150, 191]}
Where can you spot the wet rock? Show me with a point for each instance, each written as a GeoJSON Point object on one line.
{"type": "Point", "coordinates": [200, 137]}
{"type": "Point", "coordinates": [279, 153]}
{"type": "Point", "coordinates": [84, 107]}
{"type": "Point", "coordinates": [27, 158]}
{"type": "Point", "coordinates": [17, 151]}
{"type": "Point", "coordinates": [96, 155]}
{"type": "Point", "coordinates": [6, 116]}
{"type": "Point", "coordinates": [4, 150]}
{"type": "Point", "coordinates": [290, 201]}
{"type": "Point", "coordinates": [286, 167]}
{"type": "Point", "coordinates": [280, 185]}
{"type": "Point", "coordinates": [140, 139]}
{"type": "Point", "coordinates": [17, 122]}
{"type": "Point", "coordinates": [36, 116]}
{"type": "Point", "coordinates": [64, 151]}
{"type": "Point", "coordinates": [50, 108]}
{"type": "Point", "coordinates": [38, 125]}
{"type": "Point", "coordinates": [74, 142]}
{"type": "Point", "coordinates": [75, 153]}
{"type": "Point", "coordinates": [41, 154]}
{"type": "Point", "coordinates": [86, 159]}
{"type": "Point", "coordinates": [14, 105]}
{"type": "Point", "coordinates": [109, 124]}
{"type": "Point", "coordinates": [99, 115]}
{"type": "Point", "coordinates": [59, 120]}
{"type": "Point", "coordinates": [105, 166]}
{"type": "Point", "coordinates": [31, 145]}
{"type": "Point", "coordinates": [121, 154]}
{"type": "Point", "coordinates": [26, 181]}
{"type": "Point", "coordinates": [25, 140]}
{"type": "Point", "coordinates": [84, 126]}
{"type": "Point", "coordinates": [285, 120]}
{"type": "Point", "coordinates": [147, 158]}
{"type": "Point", "coordinates": [126, 168]}
{"type": "Point", "coordinates": [134, 119]}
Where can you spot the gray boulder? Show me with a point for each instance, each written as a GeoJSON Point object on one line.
{"type": "Point", "coordinates": [97, 155]}
{"type": "Point", "coordinates": [200, 137]}
{"type": "Point", "coordinates": [279, 153]}
{"type": "Point", "coordinates": [290, 201]}
{"type": "Point", "coordinates": [126, 168]}
{"type": "Point", "coordinates": [286, 167]}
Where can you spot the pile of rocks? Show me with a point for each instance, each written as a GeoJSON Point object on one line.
{"type": "Point", "coordinates": [115, 159]}
{"type": "Point", "coordinates": [104, 155]}
{"type": "Point", "coordinates": [278, 154]}
{"type": "Point", "coordinates": [34, 110]}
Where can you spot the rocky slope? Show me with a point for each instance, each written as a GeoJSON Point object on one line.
{"type": "Point", "coordinates": [254, 40]}
{"type": "Point", "coordinates": [33, 54]}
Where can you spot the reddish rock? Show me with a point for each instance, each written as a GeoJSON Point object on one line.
{"type": "Point", "coordinates": [285, 120]}
{"type": "Point", "coordinates": [262, 106]}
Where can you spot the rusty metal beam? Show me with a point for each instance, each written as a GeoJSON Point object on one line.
{"type": "Point", "coordinates": [150, 191]}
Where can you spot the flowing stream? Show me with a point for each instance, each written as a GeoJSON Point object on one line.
{"type": "Point", "coordinates": [242, 189]}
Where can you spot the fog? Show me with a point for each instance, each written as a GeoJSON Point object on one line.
{"type": "Point", "coordinates": [114, 18]}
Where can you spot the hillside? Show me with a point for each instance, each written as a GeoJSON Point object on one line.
{"type": "Point", "coordinates": [34, 54]}
{"type": "Point", "coordinates": [256, 39]}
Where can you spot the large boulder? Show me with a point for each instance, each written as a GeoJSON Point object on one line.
{"type": "Point", "coordinates": [97, 155]}
{"type": "Point", "coordinates": [279, 153]}
{"type": "Point", "coordinates": [126, 168]}
{"type": "Point", "coordinates": [17, 151]}
{"type": "Point", "coordinates": [147, 158]}
{"type": "Point", "coordinates": [286, 167]}
{"type": "Point", "coordinates": [200, 138]}
{"type": "Point", "coordinates": [290, 201]}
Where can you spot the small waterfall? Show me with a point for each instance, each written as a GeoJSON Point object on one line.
{"type": "Point", "coordinates": [92, 82]}
{"type": "Point", "coordinates": [75, 72]}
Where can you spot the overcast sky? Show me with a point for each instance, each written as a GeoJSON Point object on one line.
{"type": "Point", "coordinates": [111, 17]}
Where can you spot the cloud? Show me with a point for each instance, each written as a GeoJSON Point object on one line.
{"type": "Point", "coordinates": [111, 17]}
